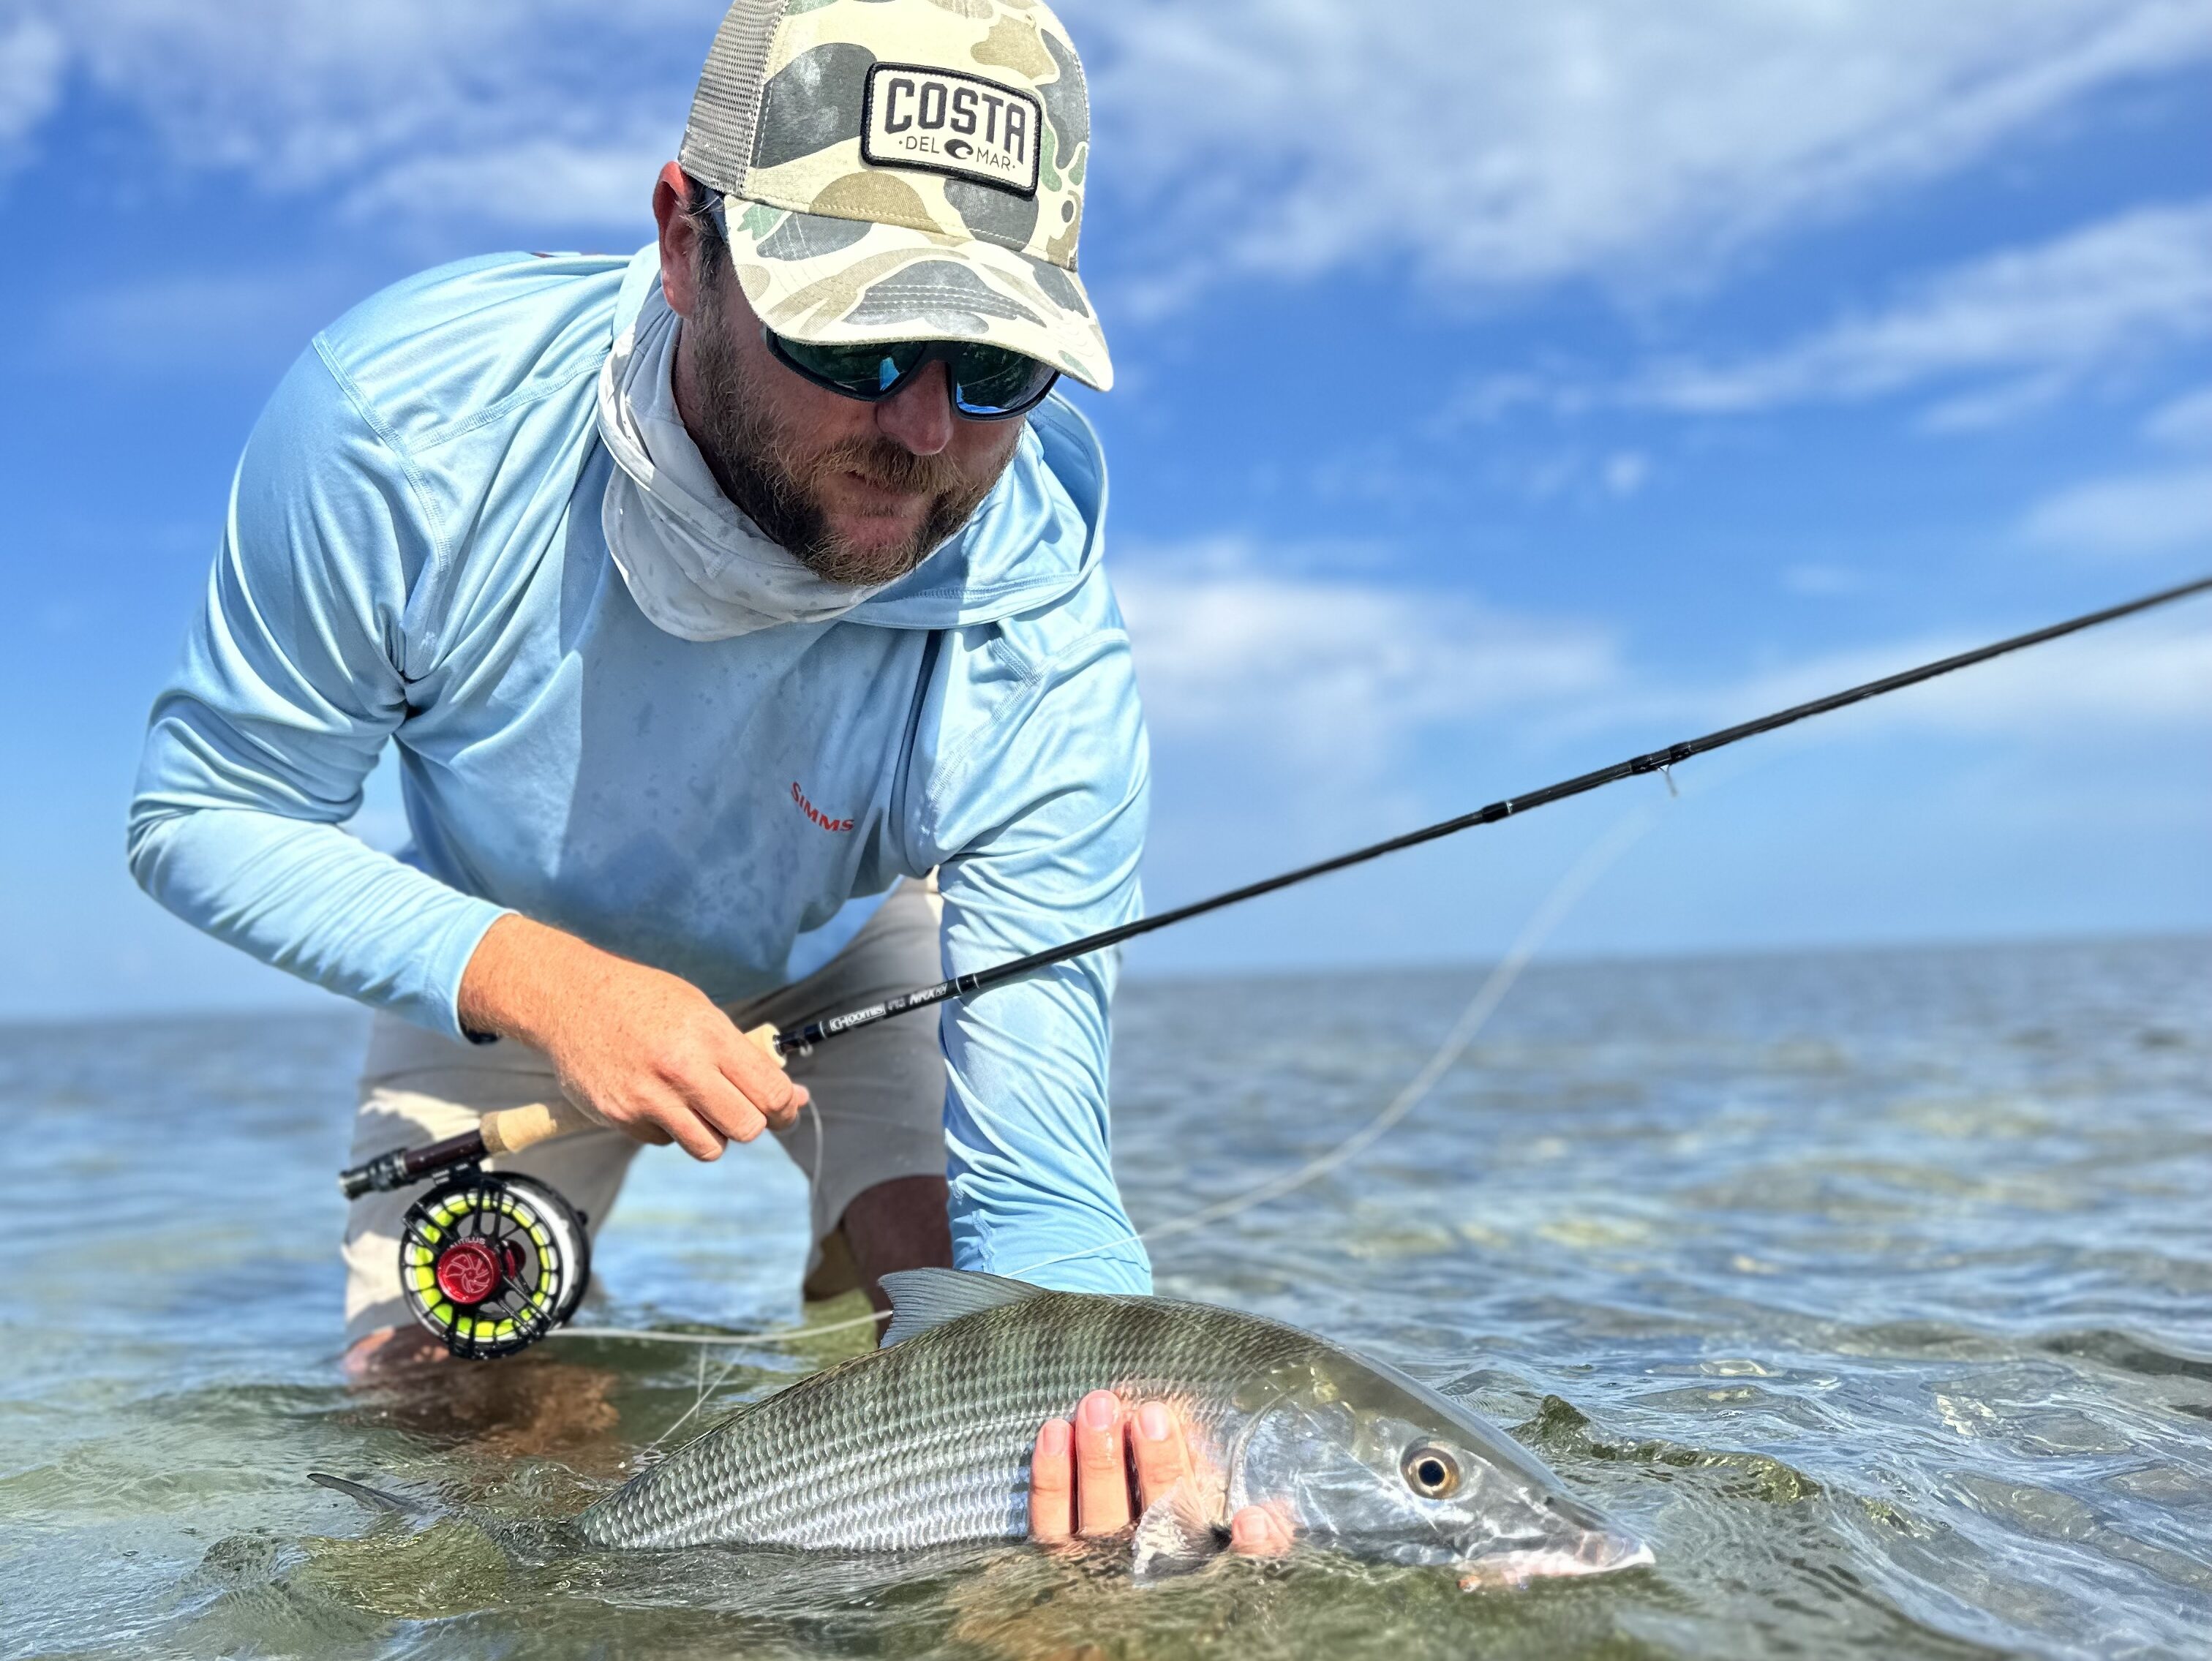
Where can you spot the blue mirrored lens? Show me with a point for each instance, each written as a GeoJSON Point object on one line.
{"type": "Point", "coordinates": [867, 371]}
{"type": "Point", "coordinates": [992, 380]}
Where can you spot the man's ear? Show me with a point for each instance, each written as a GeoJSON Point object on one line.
{"type": "Point", "coordinates": [679, 240]}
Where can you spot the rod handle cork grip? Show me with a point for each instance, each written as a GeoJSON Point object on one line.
{"type": "Point", "coordinates": [511, 1130]}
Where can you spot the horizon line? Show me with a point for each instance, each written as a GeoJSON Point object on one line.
{"type": "Point", "coordinates": [313, 1003]}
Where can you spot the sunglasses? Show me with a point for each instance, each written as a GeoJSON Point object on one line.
{"type": "Point", "coordinates": [987, 383]}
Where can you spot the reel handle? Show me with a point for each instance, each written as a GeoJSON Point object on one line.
{"type": "Point", "coordinates": [511, 1130]}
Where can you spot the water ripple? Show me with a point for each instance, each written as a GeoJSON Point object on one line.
{"type": "Point", "coordinates": [1876, 1288]}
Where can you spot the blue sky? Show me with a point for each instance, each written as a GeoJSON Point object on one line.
{"type": "Point", "coordinates": [1499, 394]}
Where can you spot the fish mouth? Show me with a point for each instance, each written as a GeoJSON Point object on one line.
{"type": "Point", "coordinates": [1596, 1553]}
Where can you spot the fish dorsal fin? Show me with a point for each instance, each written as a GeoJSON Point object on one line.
{"type": "Point", "coordinates": [923, 1298]}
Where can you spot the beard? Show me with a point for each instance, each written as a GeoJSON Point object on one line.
{"type": "Point", "coordinates": [752, 457]}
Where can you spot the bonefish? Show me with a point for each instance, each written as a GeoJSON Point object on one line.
{"type": "Point", "coordinates": [926, 1441]}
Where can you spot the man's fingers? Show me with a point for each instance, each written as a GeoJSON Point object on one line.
{"type": "Point", "coordinates": [1052, 1482]}
{"type": "Point", "coordinates": [775, 1099]}
{"type": "Point", "coordinates": [783, 1117]}
{"type": "Point", "coordinates": [1259, 1531]}
{"type": "Point", "coordinates": [1163, 1454]}
{"type": "Point", "coordinates": [664, 1116]}
{"type": "Point", "coordinates": [1102, 1466]}
{"type": "Point", "coordinates": [694, 1135]}
{"type": "Point", "coordinates": [759, 1077]}
{"type": "Point", "coordinates": [722, 1104]}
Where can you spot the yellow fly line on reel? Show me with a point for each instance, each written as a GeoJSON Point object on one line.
{"type": "Point", "coordinates": [491, 1264]}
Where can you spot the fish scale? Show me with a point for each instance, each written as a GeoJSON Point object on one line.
{"type": "Point", "coordinates": [928, 1442]}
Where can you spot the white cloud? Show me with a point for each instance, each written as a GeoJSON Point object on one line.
{"type": "Point", "coordinates": [406, 104]}
{"type": "Point", "coordinates": [1507, 145]}
{"type": "Point", "coordinates": [32, 57]}
{"type": "Point", "coordinates": [2153, 510]}
{"type": "Point", "coordinates": [1627, 472]}
{"type": "Point", "coordinates": [1333, 671]}
{"type": "Point", "coordinates": [1332, 678]}
{"type": "Point", "coordinates": [2153, 672]}
{"type": "Point", "coordinates": [530, 182]}
{"type": "Point", "coordinates": [2023, 324]}
{"type": "Point", "coordinates": [186, 320]}
{"type": "Point", "coordinates": [2184, 422]}
{"type": "Point", "coordinates": [1821, 582]}
{"type": "Point", "coordinates": [1491, 145]}
{"type": "Point", "coordinates": [2147, 513]}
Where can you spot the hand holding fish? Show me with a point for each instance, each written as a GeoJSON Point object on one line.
{"type": "Point", "coordinates": [1079, 1476]}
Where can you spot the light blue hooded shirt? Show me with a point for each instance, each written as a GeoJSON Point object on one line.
{"type": "Point", "coordinates": [413, 554]}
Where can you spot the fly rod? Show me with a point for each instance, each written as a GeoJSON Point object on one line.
{"type": "Point", "coordinates": [518, 1128]}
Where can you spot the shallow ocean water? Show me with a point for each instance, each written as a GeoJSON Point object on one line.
{"type": "Point", "coordinates": [1874, 1289]}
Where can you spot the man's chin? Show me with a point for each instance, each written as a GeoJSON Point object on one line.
{"type": "Point", "coordinates": [864, 550]}
{"type": "Point", "coordinates": [865, 534]}
{"type": "Point", "coordinates": [853, 497]}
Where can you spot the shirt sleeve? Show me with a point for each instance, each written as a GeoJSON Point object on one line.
{"type": "Point", "coordinates": [1038, 843]}
{"type": "Point", "coordinates": [291, 682]}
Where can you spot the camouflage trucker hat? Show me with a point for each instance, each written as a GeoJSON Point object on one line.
{"type": "Point", "coordinates": [903, 170]}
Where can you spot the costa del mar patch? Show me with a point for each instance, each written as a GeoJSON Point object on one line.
{"type": "Point", "coordinates": [942, 121]}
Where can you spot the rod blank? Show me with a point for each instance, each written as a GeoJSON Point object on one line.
{"type": "Point", "coordinates": [1653, 761]}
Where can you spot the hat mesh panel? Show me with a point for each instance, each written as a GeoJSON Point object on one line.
{"type": "Point", "coordinates": [718, 141]}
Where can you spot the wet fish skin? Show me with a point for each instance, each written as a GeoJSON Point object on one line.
{"type": "Point", "coordinates": [927, 1441]}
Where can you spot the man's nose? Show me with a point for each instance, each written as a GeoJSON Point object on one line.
{"type": "Point", "coordinates": [918, 416]}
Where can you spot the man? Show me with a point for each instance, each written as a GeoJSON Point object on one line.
{"type": "Point", "coordinates": [707, 596]}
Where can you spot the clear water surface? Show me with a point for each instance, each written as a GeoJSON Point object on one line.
{"type": "Point", "coordinates": [1875, 1289]}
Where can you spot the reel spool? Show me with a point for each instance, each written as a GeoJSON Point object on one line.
{"type": "Point", "coordinates": [491, 1263]}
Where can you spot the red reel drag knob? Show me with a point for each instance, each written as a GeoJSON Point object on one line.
{"type": "Point", "coordinates": [468, 1271]}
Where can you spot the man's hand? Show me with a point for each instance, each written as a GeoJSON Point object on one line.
{"type": "Point", "coordinates": [644, 1051]}
{"type": "Point", "coordinates": [1079, 1476]}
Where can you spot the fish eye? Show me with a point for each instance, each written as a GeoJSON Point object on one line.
{"type": "Point", "coordinates": [1430, 1472]}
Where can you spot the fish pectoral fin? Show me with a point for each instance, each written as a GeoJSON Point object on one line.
{"type": "Point", "coordinates": [923, 1298]}
{"type": "Point", "coordinates": [1176, 1535]}
{"type": "Point", "coordinates": [375, 1498]}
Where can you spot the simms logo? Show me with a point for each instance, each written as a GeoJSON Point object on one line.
{"type": "Point", "coordinates": [946, 123]}
{"type": "Point", "coordinates": [815, 813]}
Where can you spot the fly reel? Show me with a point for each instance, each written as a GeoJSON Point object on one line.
{"type": "Point", "coordinates": [490, 1262]}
